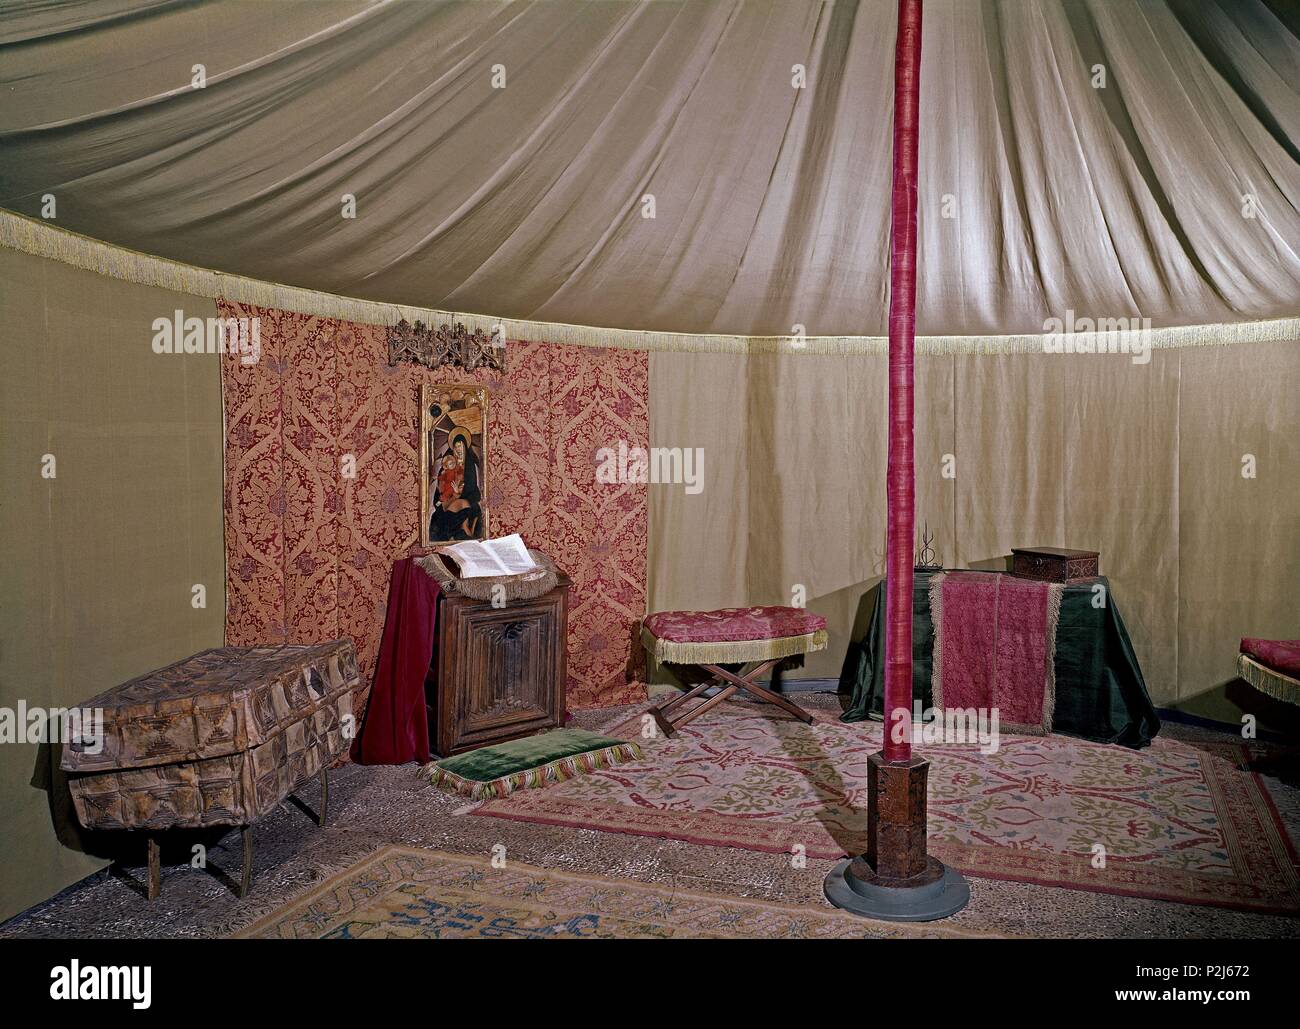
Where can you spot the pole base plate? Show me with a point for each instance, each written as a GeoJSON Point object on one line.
{"type": "Point", "coordinates": [939, 898]}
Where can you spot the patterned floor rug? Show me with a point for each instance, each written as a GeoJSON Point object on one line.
{"type": "Point", "coordinates": [405, 892]}
{"type": "Point", "coordinates": [1172, 822]}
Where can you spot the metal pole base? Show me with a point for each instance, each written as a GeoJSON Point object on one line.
{"type": "Point", "coordinates": [942, 891]}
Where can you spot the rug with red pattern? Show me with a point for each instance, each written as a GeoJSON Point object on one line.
{"type": "Point", "coordinates": [1176, 821]}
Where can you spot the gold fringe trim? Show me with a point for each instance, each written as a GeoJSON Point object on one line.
{"type": "Point", "coordinates": [936, 626]}
{"type": "Point", "coordinates": [1055, 592]}
{"type": "Point", "coordinates": [555, 771]}
{"type": "Point", "coordinates": [1277, 685]}
{"type": "Point", "coordinates": [730, 651]}
{"type": "Point", "coordinates": [40, 239]}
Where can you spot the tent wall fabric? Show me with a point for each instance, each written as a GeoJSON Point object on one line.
{"type": "Point", "coordinates": [779, 511]}
{"type": "Point", "coordinates": [1182, 472]}
{"type": "Point", "coordinates": [111, 521]}
{"type": "Point", "coordinates": [703, 167]}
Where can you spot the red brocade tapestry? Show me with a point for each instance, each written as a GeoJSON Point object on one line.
{"type": "Point", "coordinates": [309, 547]}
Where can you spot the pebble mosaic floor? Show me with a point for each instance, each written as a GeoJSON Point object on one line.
{"type": "Point", "coordinates": [375, 806]}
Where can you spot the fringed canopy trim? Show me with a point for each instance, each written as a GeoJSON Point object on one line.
{"type": "Point", "coordinates": [42, 239]}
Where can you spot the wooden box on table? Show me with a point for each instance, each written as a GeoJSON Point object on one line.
{"type": "Point", "coordinates": [1054, 564]}
{"type": "Point", "coordinates": [499, 672]}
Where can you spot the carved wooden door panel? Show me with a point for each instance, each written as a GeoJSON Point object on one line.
{"type": "Point", "coordinates": [501, 671]}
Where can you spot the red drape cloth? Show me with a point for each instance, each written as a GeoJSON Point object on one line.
{"type": "Point", "coordinates": [396, 727]}
{"type": "Point", "coordinates": [900, 521]}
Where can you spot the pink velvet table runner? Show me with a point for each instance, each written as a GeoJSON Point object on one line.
{"type": "Point", "coordinates": [995, 646]}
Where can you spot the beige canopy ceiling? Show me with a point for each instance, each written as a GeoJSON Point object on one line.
{"type": "Point", "coordinates": [1114, 159]}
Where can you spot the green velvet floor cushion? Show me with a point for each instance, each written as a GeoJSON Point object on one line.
{"type": "Point", "coordinates": [532, 761]}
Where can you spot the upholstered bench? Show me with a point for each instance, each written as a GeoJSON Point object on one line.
{"type": "Point", "coordinates": [1272, 667]}
{"type": "Point", "coordinates": [220, 738]}
{"type": "Point", "coordinates": [761, 636]}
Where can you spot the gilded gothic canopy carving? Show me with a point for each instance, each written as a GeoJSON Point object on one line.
{"type": "Point", "coordinates": [448, 345]}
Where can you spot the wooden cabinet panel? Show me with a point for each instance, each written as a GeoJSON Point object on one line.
{"type": "Point", "coordinates": [501, 671]}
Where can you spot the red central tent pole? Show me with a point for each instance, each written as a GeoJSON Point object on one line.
{"type": "Point", "coordinates": [901, 476]}
{"type": "Point", "coordinates": [896, 878]}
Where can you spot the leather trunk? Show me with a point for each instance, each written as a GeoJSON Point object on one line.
{"type": "Point", "coordinates": [219, 738]}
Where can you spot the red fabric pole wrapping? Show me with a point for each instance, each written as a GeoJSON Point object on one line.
{"type": "Point", "coordinates": [902, 340]}
{"type": "Point", "coordinates": [396, 728]}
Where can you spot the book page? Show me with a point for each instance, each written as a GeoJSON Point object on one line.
{"type": "Point", "coordinates": [480, 558]}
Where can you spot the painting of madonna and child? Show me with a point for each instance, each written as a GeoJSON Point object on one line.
{"type": "Point", "coordinates": [453, 456]}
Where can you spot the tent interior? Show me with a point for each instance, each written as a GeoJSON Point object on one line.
{"type": "Point", "coordinates": [297, 295]}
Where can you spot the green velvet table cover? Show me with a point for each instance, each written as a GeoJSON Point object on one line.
{"type": "Point", "coordinates": [1100, 693]}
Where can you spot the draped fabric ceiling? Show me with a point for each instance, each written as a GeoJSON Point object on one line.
{"type": "Point", "coordinates": [1171, 191]}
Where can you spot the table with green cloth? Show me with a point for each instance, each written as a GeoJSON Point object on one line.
{"type": "Point", "coordinates": [1100, 693]}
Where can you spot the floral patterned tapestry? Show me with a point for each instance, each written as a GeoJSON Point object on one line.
{"type": "Point", "coordinates": [310, 539]}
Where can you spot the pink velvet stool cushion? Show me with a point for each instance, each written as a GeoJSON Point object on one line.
{"type": "Point", "coordinates": [1280, 655]}
{"type": "Point", "coordinates": [733, 623]}
{"type": "Point", "coordinates": [732, 634]}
